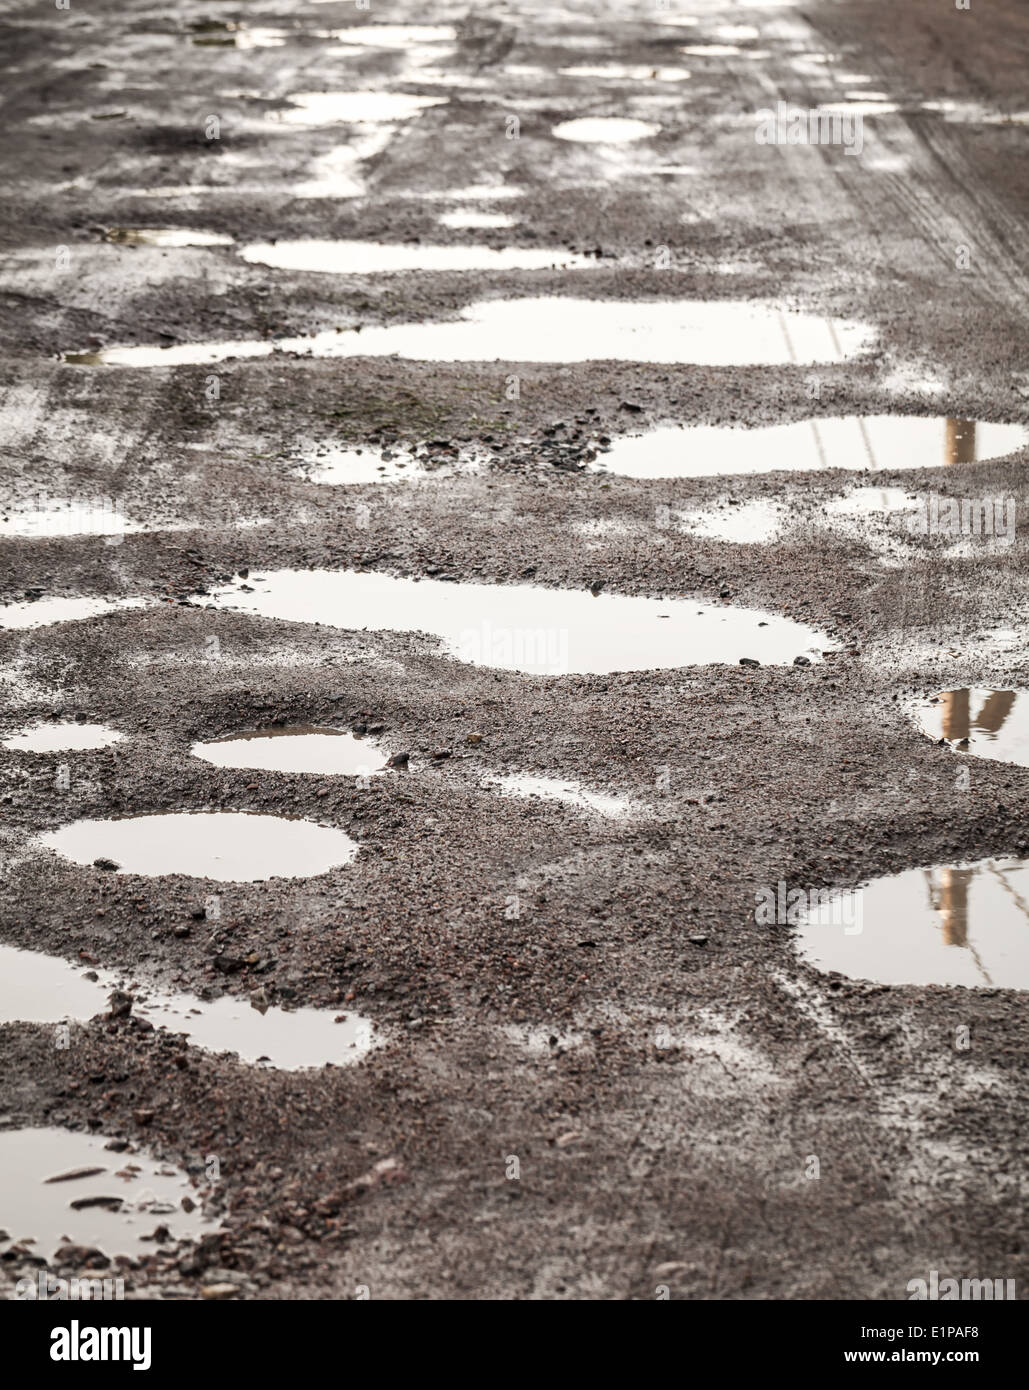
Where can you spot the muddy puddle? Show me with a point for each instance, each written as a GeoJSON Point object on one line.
{"type": "Point", "coordinates": [851, 442]}
{"type": "Point", "coordinates": [302, 748]}
{"type": "Point", "coordinates": [625, 72]}
{"type": "Point", "coordinates": [519, 627]}
{"type": "Point", "coordinates": [472, 221]}
{"type": "Point", "coordinates": [37, 988]}
{"type": "Point", "coordinates": [758, 522]}
{"type": "Point", "coordinates": [555, 789]}
{"type": "Point", "coordinates": [60, 1187]}
{"type": "Point", "coordinates": [605, 130]}
{"type": "Point", "coordinates": [229, 846]}
{"type": "Point", "coordinates": [62, 737]}
{"type": "Point", "coordinates": [43, 612]}
{"type": "Point", "coordinates": [707, 332]}
{"type": "Point", "coordinates": [165, 236]}
{"type": "Point", "coordinates": [354, 108]}
{"type": "Point", "coordinates": [377, 258]}
{"type": "Point", "coordinates": [45, 517]}
{"type": "Point", "coordinates": [953, 924]}
{"type": "Point", "coordinates": [986, 723]}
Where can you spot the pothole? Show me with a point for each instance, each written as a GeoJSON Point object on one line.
{"type": "Point", "coordinates": [707, 332]}
{"type": "Point", "coordinates": [62, 1188]}
{"type": "Point", "coordinates": [518, 627]}
{"type": "Point", "coordinates": [952, 924]}
{"type": "Point", "coordinates": [37, 988]}
{"type": "Point", "coordinates": [352, 467]}
{"type": "Point", "coordinates": [851, 442]}
{"type": "Point", "coordinates": [300, 748]}
{"type": "Point", "coordinates": [228, 846]}
{"type": "Point", "coordinates": [986, 723]}
{"type": "Point", "coordinates": [379, 258]}
{"type": "Point", "coordinates": [62, 737]}
{"type": "Point", "coordinates": [43, 612]}
{"type": "Point", "coordinates": [46, 517]}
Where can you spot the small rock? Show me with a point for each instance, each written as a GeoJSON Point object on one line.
{"type": "Point", "coordinates": [748, 661]}
{"type": "Point", "coordinates": [218, 1291]}
{"type": "Point", "coordinates": [801, 661]}
{"type": "Point", "coordinates": [107, 864]}
{"type": "Point", "coordinates": [399, 760]}
{"type": "Point", "coordinates": [474, 739]}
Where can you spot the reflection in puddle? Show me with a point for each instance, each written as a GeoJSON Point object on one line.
{"type": "Point", "coordinates": [51, 516]}
{"type": "Point", "coordinates": [37, 988]}
{"type": "Point", "coordinates": [605, 130]}
{"type": "Point", "coordinates": [711, 333]}
{"type": "Point", "coordinates": [853, 442]}
{"type": "Point", "coordinates": [555, 789]}
{"type": "Point", "coordinates": [304, 748]}
{"type": "Point", "coordinates": [627, 72]}
{"type": "Point", "coordinates": [343, 467]}
{"type": "Point", "coordinates": [54, 738]}
{"type": "Point", "coordinates": [988, 723]}
{"type": "Point", "coordinates": [518, 627]}
{"type": "Point", "coordinates": [955, 924]}
{"type": "Point", "coordinates": [745, 523]}
{"type": "Point", "coordinates": [165, 236]}
{"type": "Point", "coordinates": [394, 35]}
{"type": "Point", "coordinates": [62, 610]}
{"type": "Point", "coordinates": [374, 258]}
{"type": "Point", "coordinates": [477, 221]}
{"type": "Point", "coordinates": [232, 847]}
{"type": "Point", "coordinates": [323, 108]}
{"type": "Point", "coordinates": [62, 1187]}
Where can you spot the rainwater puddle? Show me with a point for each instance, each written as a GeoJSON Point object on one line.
{"type": "Point", "coordinates": [605, 130]}
{"type": "Point", "coordinates": [231, 847]}
{"type": "Point", "coordinates": [554, 789]}
{"type": "Point", "coordinates": [477, 221]}
{"type": "Point", "coordinates": [743, 523]}
{"type": "Point", "coordinates": [527, 628]}
{"type": "Point", "coordinates": [710, 333]}
{"type": "Point", "coordinates": [853, 442]}
{"type": "Point", "coordinates": [987, 723]}
{"type": "Point", "coordinates": [627, 72]}
{"type": "Point", "coordinates": [164, 236]}
{"type": "Point", "coordinates": [304, 748]}
{"type": "Point", "coordinates": [37, 988]}
{"type": "Point", "coordinates": [19, 616]}
{"type": "Point", "coordinates": [352, 467]}
{"type": "Point", "coordinates": [375, 258]}
{"type": "Point", "coordinates": [61, 1187]}
{"type": "Point", "coordinates": [45, 517]}
{"type": "Point", "coordinates": [358, 108]}
{"type": "Point", "coordinates": [394, 35]}
{"type": "Point", "coordinates": [59, 738]}
{"type": "Point", "coordinates": [953, 924]}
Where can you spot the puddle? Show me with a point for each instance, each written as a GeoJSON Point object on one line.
{"type": "Point", "coordinates": [353, 467]}
{"type": "Point", "coordinates": [394, 35]}
{"type": "Point", "coordinates": [526, 628]}
{"type": "Point", "coordinates": [58, 738]}
{"type": "Point", "coordinates": [852, 442]}
{"type": "Point", "coordinates": [358, 108]}
{"type": "Point", "coordinates": [303, 748]}
{"type": "Point", "coordinates": [627, 72]}
{"type": "Point", "coordinates": [375, 258]}
{"type": "Point", "coordinates": [476, 193]}
{"type": "Point", "coordinates": [987, 723]}
{"type": "Point", "coordinates": [871, 501]}
{"type": "Point", "coordinates": [744, 523]}
{"type": "Point", "coordinates": [554, 789]}
{"type": "Point", "coordinates": [605, 130]}
{"type": "Point", "coordinates": [180, 355]}
{"type": "Point", "coordinates": [477, 221]}
{"type": "Point", "coordinates": [19, 616]}
{"type": "Point", "coordinates": [954, 924]}
{"type": "Point", "coordinates": [231, 847]}
{"type": "Point", "coordinates": [540, 1041]}
{"type": "Point", "coordinates": [164, 236]}
{"type": "Point", "coordinates": [37, 988]}
{"type": "Point", "coordinates": [46, 517]}
{"type": "Point", "coordinates": [61, 1187]}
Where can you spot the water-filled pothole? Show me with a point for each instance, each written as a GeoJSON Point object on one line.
{"type": "Point", "coordinates": [554, 789]}
{"type": "Point", "coordinates": [62, 737]}
{"type": "Point", "coordinates": [37, 988]}
{"type": "Point", "coordinates": [757, 522]}
{"type": "Point", "coordinates": [165, 236]}
{"type": "Point", "coordinates": [626, 72]}
{"type": "Point", "coordinates": [228, 846]}
{"type": "Point", "coordinates": [605, 130]}
{"type": "Point", "coordinates": [852, 442]}
{"type": "Point", "coordinates": [988, 723]}
{"type": "Point", "coordinates": [953, 924]}
{"type": "Point", "coordinates": [43, 612]}
{"type": "Point", "coordinates": [303, 748]}
{"type": "Point", "coordinates": [476, 221]}
{"type": "Point", "coordinates": [45, 517]}
{"type": "Point", "coordinates": [358, 108]}
{"type": "Point", "coordinates": [708, 332]}
{"type": "Point", "coordinates": [520, 627]}
{"type": "Point", "coordinates": [379, 258]}
{"type": "Point", "coordinates": [61, 1188]}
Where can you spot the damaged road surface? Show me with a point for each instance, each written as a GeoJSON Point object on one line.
{"type": "Point", "coordinates": [500, 544]}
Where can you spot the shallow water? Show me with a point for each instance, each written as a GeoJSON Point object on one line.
{"type": "Point", "coordinates": [358, 108]}
{"type": "Point", "coordinates": [376, 258]}
{"type": "Point", "coordinates": [44, 611]}
{"type": "Point", "coordinates": [953, 924]}
{"type": "Point", "coordinates": [62, 737]}
{"type": "Point", "coordinates": [304, 748]}
{"type": "Point", "coordinates": [978, 720]}
{"type": "Point", "coordinates": [165, 236]}
{"type": "Point", "coordinates": [231, 847]}
{"type": "Point", "coordinates": [147, 1193]}
{"type": "Point", "coordinates": [49, 516]}
{"type": "Point", "coordinates": [606, 130]}
{"type": "Point", "coordinates": [757, 522]}
{"type": "Point", "coordinates": [556, 789]}
{"type": "Point", "coordinates": [520, 627]}
{"type": "Point", "coordinates": [477, 221]}
{"type": "Point", "coordinates": [353, 467]}
{"type": "Point", "coordinates": [851, 442]}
